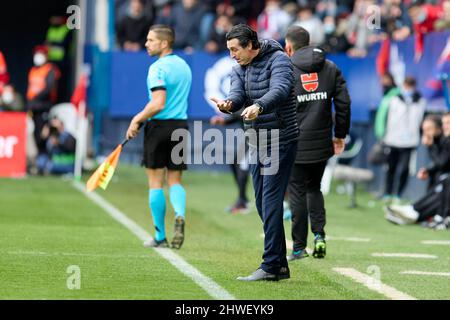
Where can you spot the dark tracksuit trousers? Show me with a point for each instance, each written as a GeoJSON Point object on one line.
{"type": "Point", "coordinates": [398, 165]}
{"type": "Point", "coordinates": [269, 195]}
{"type": "Point", "coordinates": [435, 202]}
{"type": "Point", "coordinates": [240, 177]}
{"type": "Point", "coordinates": [306, 201]}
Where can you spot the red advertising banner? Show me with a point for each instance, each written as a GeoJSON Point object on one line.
{"type": "Point", "coordinates": [13, 133]}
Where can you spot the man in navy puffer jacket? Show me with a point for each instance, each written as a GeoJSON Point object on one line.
{"type": "Point", "coordinates": [263, 84]}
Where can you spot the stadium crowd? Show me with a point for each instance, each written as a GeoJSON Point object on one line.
{"type": "Point", "coordinates": [350, 26]}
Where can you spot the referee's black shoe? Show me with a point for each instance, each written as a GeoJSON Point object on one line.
{"type": "Point", "coordinates": [178, 234]}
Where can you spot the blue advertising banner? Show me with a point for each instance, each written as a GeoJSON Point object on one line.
{"type": "Point", "coordinates": [128, 93]}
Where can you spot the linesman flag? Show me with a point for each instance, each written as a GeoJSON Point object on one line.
{"type": "Point", "coordinates": [102, 176]}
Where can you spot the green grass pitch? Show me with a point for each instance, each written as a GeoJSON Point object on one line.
{"type": "Point", "coordinates": [46, 226]}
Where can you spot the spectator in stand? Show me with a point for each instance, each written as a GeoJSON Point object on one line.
{"type": "Point", "coordinates": [217, 40]}
{"type": "Point", "coordinates": [402, 136]}
{"type": "Point", "coordinates": [4, 75]}
{"type": "Point", "coordinates": [240, 9]}
{"type": "Point", "coordinates": [444, 22]}
{"type": "Point", "coordinates": [42, 92]}
{"type": "Point", "coordinates": [359, 35]}
{"type": "Point", "coordinates": [312, 24]}
{"type": "Point", "coordinates": [11, 100]}
{"type": "Point", "coordinates": [185, 19]}
{"type": "Point", "coordinates": [390, 90]}
{"type": "Point", "coordinates": [326, 8]}
{"type": "Point", "coordinates": [59, 40]}
{"type": "Point", "coordinates": [163, 11]}
{"type": "Point", "coordinates": [423, 17]}
{"type": "Point", "coordinates": [395, 21]}
{"type": "Point", "coordinates": [208, 20]}
{"type": "Point", "coordinates": [334, 8]}
{"type": "Point", "coordinates": [273, 21]}
{"type": "Point", "coordinates": [122, 8]}
{"type": "Point", "coordinates": [132, 30]}
{"type": "Point", "coordinates": [335, 38]}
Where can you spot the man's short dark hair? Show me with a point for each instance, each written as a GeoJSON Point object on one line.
{"type": "Point", "coordinates": [410, 81]}
{"type": "Point", "coordinates": [436, 119]}
{"type": "Point", "coordinates": [298, 36]}
{"type": "Point", "coordinates": [164, 32]}
{"type": "Point", "coordinates": [245, 35]}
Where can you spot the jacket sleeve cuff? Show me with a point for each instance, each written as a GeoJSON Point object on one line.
{"type": "Point", "coordinates": [262, 105]}
{"type": "Point", "coordinates": [340, 135]}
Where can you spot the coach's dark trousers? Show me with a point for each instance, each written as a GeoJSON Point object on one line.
{"type": "Point", "coordinates": [269, 195]}
{"type": "Point", "coordinates": [306, 201]}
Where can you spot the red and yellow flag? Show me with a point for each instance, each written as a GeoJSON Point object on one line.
{"type": "Point", "coordinates": [102, 176]}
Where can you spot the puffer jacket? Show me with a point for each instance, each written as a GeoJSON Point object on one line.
{"type": "Point", "coordinates": [404, 120]}
{"type": "Point", "coordinates": [268, 81]}
{"type": "Point", "coordinates": [319, 82]}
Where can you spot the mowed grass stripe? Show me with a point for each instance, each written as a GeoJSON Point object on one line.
{"type": "Point", "coordinates": [220, 245]}
{"type": "Point", "coordinates": [47, 215]}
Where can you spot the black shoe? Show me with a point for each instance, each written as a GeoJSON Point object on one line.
{"type": "Point", "coordinates": [178, 234]}
{"type": "Point", "coordinates": [296, 255]}
{"type": "Point", "coordinates": [320, 247]}
{"type": "Point", "coordinates": [260, 275]}
{"type": "Point", "coordinates": [153, 243]}
{"type": "Point", "coordinates": [284, 273]}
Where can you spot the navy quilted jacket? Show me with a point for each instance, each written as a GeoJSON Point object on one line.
{"type": "Point", "coordinates": [269, 81]}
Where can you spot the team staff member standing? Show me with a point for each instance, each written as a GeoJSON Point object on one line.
{"type": "Point", "coordinates": [318, 82]}
{"type": "Point", "coordinates": [263, 84]}
{"type": "Point", "coordinates": [169, 82]}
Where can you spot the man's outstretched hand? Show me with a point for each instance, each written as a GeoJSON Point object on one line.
{"type": "Point", "coordinates": [224, 106]}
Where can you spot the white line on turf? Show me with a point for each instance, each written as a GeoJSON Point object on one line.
{"type": "Point", "coordinates": [212, 288]}
{"type": "Point", "coordinates": [404, 255]}
{"type": "Point", "coordinates": [437, 242]}
{"type": "Point", "coordinates": [425, 273]}
{"type": "Point", "coordinates": [373, 284]}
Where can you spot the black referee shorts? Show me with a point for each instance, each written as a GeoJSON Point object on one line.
{"type": "Point", "coordinates": [158, 145]}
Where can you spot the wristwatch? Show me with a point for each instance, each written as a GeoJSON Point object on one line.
{"type": "Point", "coordinates": [260, 109]}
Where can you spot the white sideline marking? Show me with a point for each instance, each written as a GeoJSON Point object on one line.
{"type": "Point", "coordinates": [212, 288]}
{"type": "Point", "coordinates": [425, 273]}
{"type": "Point", "coordinates": [374, 284]}
{"type": "Point", "coordinates": [437, 242]}
{"type": "Point", "coordinates": [404, 255]}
